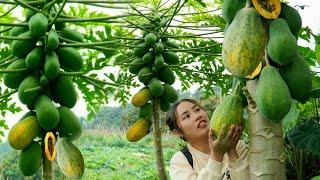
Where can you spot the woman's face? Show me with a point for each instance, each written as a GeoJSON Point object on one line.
{"type": "Point", "coordinates": [192, 120]}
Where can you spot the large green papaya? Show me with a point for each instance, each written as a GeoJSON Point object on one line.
{"type": "Point", "coordinates": [30, 159]}
{"type": "Point", "coordinates": [282, 45]}
{"type": "Point", "coordinates": [156, 87]}
{"type": "Point", "coordinates": [33, 59]}
{"type": "Point", "coordinates": [64, 91]}
{"type": "Point", "coordinates": [29, 97]}
{"type": "Point", "coordinates": [164, 105]}
{"type": "Point", "coordinates": [21, 48]}
{"type": "Point", "coordinates": [140, 50]}
{"type": "Point", "coordinates": [298, 77]}
{"type": "Point", "coordinates": [244, 43]}
{"type": "Point", "coordinates": [69, 124]}
{"type": "Point", "coordinates": [71, 34]}
{"type": "Point", "coordinates": [170, 57]}
{"type": "Point", "coordinates": [23, 132]}
{"type": "Point", "coordinates": [230, 8]}
{"type": "Point", "coordinates": [145, 74]}
{"type": "Point", "coordinates": [150, 39]}
{"type": "Point", "coordinates": [292, 17]}
{"type": "Point", "coordinates": [15, 31]}
{"type": "Point", "coordinates": [272, 95]}
{"type": "Point", "coordinates": [146, 111]}
{"type": "Point", "coordinates": [70, 58]}
{"type": "Point", "coordinates": [138, 130]}
{"type": "Point", "coordinates": [38, 25]}
{"type": "Point", "coordinates": [228, 112]}
{"type": "Point", "coordinates": [166, 75]}
{"type": "Point", "coordinates": [51, 65]}
{"type": "Point", "coordinates": [69, 158]}
{"type": "Point", "coordinates": [52, 40]}
{"type": "Point", "coordinates": [148, 58]}
{"type": "Point", "coordinates": [47, 113]}
{"type": "Point", "coordinates": [136, 65]}
{"type": "Point", "coordinates": [170, 94]}
{"type": "Point", "coordinates": [13, 79]}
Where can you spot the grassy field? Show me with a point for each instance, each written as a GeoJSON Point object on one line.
{"type": "Point", "coordinates": [108, 155]}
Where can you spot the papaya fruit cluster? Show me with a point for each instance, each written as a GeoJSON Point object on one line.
{"type": "Point", "coordinates": [153, 57]}
{"type": "Point", "coordinates": [36, 74]}
{"type": "Point", "coordinates": [269, 39]}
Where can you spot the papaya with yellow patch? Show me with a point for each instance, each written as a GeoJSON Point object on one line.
{"type": "Point", "coordinates": [141, 97]}
{"type": "Point", "coordinates": [138, 130]}
{"type": "Point", "coordinates": [49, 146]}
{"type": "Point", "coordinates": [269, 9]}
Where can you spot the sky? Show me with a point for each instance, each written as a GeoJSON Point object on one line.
{"type": "Point", "coordinates": [310, 17]}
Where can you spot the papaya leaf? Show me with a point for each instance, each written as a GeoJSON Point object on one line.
{"type": "Point", "coordinates": [292, 118]}
{"type": "Point", "coordinates": [305, 136]}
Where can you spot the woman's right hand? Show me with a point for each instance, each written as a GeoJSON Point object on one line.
{"type": "Point", "coordinates": [225, 141]}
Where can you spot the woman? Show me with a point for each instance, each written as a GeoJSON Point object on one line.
{"type": "Point", "coordinates": [205, 157]}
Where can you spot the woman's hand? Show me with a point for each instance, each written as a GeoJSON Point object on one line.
{"type": "Point", "coordinates": [225, 143]}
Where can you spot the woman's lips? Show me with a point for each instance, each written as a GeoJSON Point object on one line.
{"type": "Point", "coordinates": [202, 124]}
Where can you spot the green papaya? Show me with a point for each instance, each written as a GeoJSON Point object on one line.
{"type": "Point", "coordinates": [272, 95]}
{"type": "Point", "coordinates": [20, 48]}
{"type": "Point", "coordinates": [282, 45]}
{"type": "Point", "coordinates": [23, 132]}
{"type": "Point", "coordinates": [15, 31]}
{"type": "Point", "coordinates": [164, 105]}
{"type": "Point", "coordinates": [136, 65]}
{"type": "Point", "coordinates": [29, 97]}
{"type": "Point", "coordinates": [69, 124]}
{"type": "Point", "coordinates": [146, 111]}
{"type": "Point", "coordinates": [59, 26]}
{"type": "Point", "coordinates": [140, 50]}
{"type": "Point", "coordinates": [298, 77]}
{"type": "Point", "coordinates": [244, 43]}
{"type": "Point", "coordinates": [38, 25]}
{"type": "Point", "coordinates": [158, 48]}
{"type": "Point", "coordinates": [69, 158]}
{"type": "Point", "coordinates": [230, 8]}
{"type": "Point", "coordinates": [159, 61]}
{"type": "Point", "coordinates": [44, 80]}
{"type": "Point", "coordinates": [30, 159]}
{"type": "Point", "coordinates": [28, 13]}
{"type": "Point", "coordinates": [150, 39]}
{"type": "Point", "coordinates": [228, 112]}
{"type": "Point", "coordinates": [170, 44]}
{"type": "Point", "coordinates": [51, 65]}
{"type": "Point", "coordinates": [169, 94]}
{"type": "Point", "coordinates": [292, 17]}
{"type": "Point", "coordinates": [156, 87]}
{"type": "Point", "coordinates": [64, 91]}
{"type": "Point", "coordinates": [147, 58]}
{"type": "Point", "coordinates": [170, 57]}
{"type": "Point", "coordinates": [145, 74]}
{"type": "Point", "coordinates": [33, 59]}
{"type": "Point", "coordinates": [166, 75]}
{"type": "Point", "coordinates": [13, 79]}
{"type": "Point", "coordinates": [47, 113]}
{"type": "Point", "coordinates": [52, 40]}
{"type": "Point", "coordinates": [71, 34]}
{"type": "Point", "coordinates": [70, 58]}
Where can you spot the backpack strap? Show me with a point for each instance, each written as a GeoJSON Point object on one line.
{"type": "Point", "coordinates": [188, 155]}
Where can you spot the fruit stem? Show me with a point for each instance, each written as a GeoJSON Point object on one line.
{"type": "Point", "coordinates": [248, 3]}
{"type": "Point", "coordinates": [266, 57]}
{"type": "Point", "coordinates": [13, 70]}
{"type": "Point", "coordinates": [37, 88]}
{"type": "Point", "coordinates": [8, 94]}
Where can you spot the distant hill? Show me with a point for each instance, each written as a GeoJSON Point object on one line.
{"type": "Point", "coordinates": [4, 149]}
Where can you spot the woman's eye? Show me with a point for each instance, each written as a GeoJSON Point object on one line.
{"type": "Point", "coordinates": [186, 116]}
{"type": "Point", "coordinates": [198, 109]}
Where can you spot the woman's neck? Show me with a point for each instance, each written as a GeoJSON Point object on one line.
{"type": "Point", "coordinates": [201, 145]}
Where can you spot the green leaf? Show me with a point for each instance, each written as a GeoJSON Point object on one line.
{"type": "Point", "coordinates": [292, 118]}
{"type": "Point", "coordinates": [305, 136]}
{"type": "Point", "coordinates": [316, 178]}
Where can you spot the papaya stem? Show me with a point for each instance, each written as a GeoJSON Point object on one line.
{"type": "Point", "coordinates": [266, 57]}
{"type": "Point", "coordinates": [190, 49]}
{"type": "Point", "coordinates": [183, 68]}
{"type": "Point", "coordinates": [118, 37]}
{"type": "Point", "coordinates": [99, 1]}
{"type": "Point", "coordinates": [6, 95]}
{"type": "Point", "coordinates": [13, 70]}
{"type": "Point", "coordinates": [94, 19]}
{"type": "Point", "coordinates": [248, 3]}
{"type": "Point", "coordinates": [174, 13]}
{"type": "Point", "coordinates": [192, 35]}
{"type": "Point", "coordinates": [138, 26]}
{"type": "Point", "coordinates": [71, 73]}
{"type": "Point", "coordinates": [58, 13]}
{"type": "Point", "coordinates": [100, 81]}
{"type": "Point", "coordinates": [237, 89]}
{"type": "Point", "coordinates": [141, 14]}
{"type": "Point", "coordinates": [8, 62]}
{"type": "Point", "coordinates": [47, 170]}
{"type": "Point", "coordinates": [15, 38]}
{"type": "Point", "coordinates": [157, 140]}
{"type": "Point", "coordinates": [37, 88]}
{"type": "Point", "coordinates": [13, 24]}
{"type": "Point", "coordinates": [95, 47]}
{"type": "Point", "coordinates": [197, 52]}
{"type": "Point", "coordinates": [5, 30]}
{"type": "Point", "coordinates": [14, 3]}
{"type": "Point", "coordinates": [6, 59]}
{"type": "Point", "coordinates": [50, 4]}
{"type": "Point", "coordinates": [25, 5]}
{"type": "Point", "coordinates": [94, 84]}
{"type": "Point", "coordinates": [6, 13]}
{"type": "Point", "coordinates": [104, 6]}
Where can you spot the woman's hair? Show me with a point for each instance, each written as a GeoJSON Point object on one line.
{"type": "Point", "coordinates": [172, 119]}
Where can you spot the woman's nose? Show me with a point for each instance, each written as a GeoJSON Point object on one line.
{"type": "Point", "coordinates": [198, 117]}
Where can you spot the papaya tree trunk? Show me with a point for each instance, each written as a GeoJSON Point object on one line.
{"type": "Point", "coordinates": [47, 173]}
{"type": "Point", "coordinates": [157, 141]}
{"type": "Point", "coordinates": [266, 159]}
